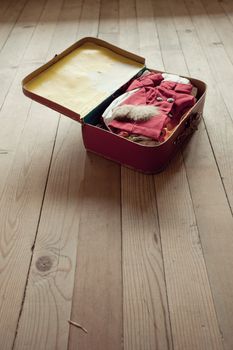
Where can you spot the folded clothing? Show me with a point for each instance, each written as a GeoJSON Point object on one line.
{"type": "Point", "coordinates": [150, 128]}
{"type": "Point", "coordinates": [169, 95]}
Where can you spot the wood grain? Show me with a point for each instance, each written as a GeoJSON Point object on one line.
{"type": "Point", "coordinates": [227, 6]}
{"type": "Point", "coordinates": [109, 21]}
{"type": "Point", "coordinates": [192, 313]}
{"type": "Point", "coordinates": [146, 320]}
{"type": "Point", "coordinates": [20, 207]}
{"type": "Point", "coordinates": [44, 33]}
{"type": "Point", "coordinates": [9, 13]}
{"type": "Point", "coordinates": [149, 44]}
{"type": "Point", "coordinates": [97, 299]}
{"type": "Point", "coordinates": [12, 51]}
{"type": "Point", "coordinates": [180, 234]}
{"type": "Point", "coordinates": [154, 254]}
{"type": "Point", "coordinates": [208, 195]}
{"type": "Point", "coordinates": [97, 302]}
{"type": "Point", "coordinates": [22, 192]}
{"type": "Point", "coordinates": [224, 27]}
{"type": "Point", "coordinates": [215, 52]}
{"type": "Point", "coordinates": [51, 277]}
{"type": "Point", "coordinates": [145, 310]}
{"type": "Point", "coordinates": [13, 112]}
{"type": "Point", "coordinates": [217, 117]}
{"type": "Point", "coordinates": [47, 305]}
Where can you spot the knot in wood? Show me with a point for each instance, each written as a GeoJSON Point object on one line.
{"type": "Point", "coordinates": [44, 263]}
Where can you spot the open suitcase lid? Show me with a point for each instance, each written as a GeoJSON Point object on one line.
{"type": "Point", "coordinates": [81, 77]}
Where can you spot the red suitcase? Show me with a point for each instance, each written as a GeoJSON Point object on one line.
{"type": "Point", "coordinates": [84, 79]}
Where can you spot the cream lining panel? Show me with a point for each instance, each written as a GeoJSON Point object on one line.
{"type": "Point", "coordinates": [83, 78]}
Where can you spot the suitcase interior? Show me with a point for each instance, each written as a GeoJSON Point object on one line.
{"type": "Point", "coordinates": [84, 79]}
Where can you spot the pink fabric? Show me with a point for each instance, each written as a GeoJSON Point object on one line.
{"type": "Point", "coordinates": [151, 79]}
{"type": "Point", "coordinates": [151, 87]}
{"type": "Point", "coordinates": [151, 128]}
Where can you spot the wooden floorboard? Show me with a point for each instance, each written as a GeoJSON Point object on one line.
{"type": "Point", "coordinates": [141, 262]}
{"type": "Point", "coordinates": [55, 243]}
{"type": "Point", "coordinates": [96, 305]}
{"type": "Point", "coordinates": [25, 166]}
{"type": "Point", "coordinates": [215, 234]}
{"type": "Point", "coordinates": [194, 268]}
{"type": "Point", "coordinates": [145, 307]}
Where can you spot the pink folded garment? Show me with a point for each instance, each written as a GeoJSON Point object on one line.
{"type": "Point", "coordinates": [171, 99]}
{"type": "Point", "coordinates": [150, 128]}
{"type": "Point", "coordinates": [152, 79]}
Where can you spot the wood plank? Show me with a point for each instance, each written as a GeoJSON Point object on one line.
{"type": "Point", "coordinates": [9, 13]}
{"type": "Point", "coordinates": [215, 52]}
{"type": "Point", "coordinates": [149, 44]}
{"type": "Point", "coordinates": [21, 200]}
{"type": "Point", "coordinates": [44, 33]}
{"type": "Point", "coordinates": [20, 207]}
{"type": "Point", "coordinates": [97, 299]}
{"type": "Point", "coordinates": [198, 65]}
{"type": "Point", "coordinates": [97, 303]}
{"type": "Point", "coordinates": [207, 193]}
{"type": "Point", "coordinates": [221, 24]}
{"type": "Point", "coordinates": [193, 318]}
{"type": "Point", "coordinates": [12, 119]}
{"type": "Point", "coordinates": [169, 43]}
{"type": "Point", "coordinates": [89, 23]}
{"type": "Point", "coordinates": [109, 21]}
{"type": "Point", "coordinates": [51, 289]}
{"type": "Point", "coordinates": [67, 27]}
{"type": "Point", "coordinates": [13, 50]}
{"type": "Point", "coordinates": [14, 111]}
{"type": "Point", "coordinates": [47, 305]}
{"type": "Point", "coordinates": [146, 319]}
{"type": "Point", "coordinates": [216, 232]}
{"type": "Point", "coordinates": [227, 5]}
{"type": "Point", "coordinates": [15, 108]}
{"type": "Point", "coordinates": [4, 6]}
{"type": "Point", "coordinates": [145, 310]}
{"type": "Point", "coordinates": [128, 26]}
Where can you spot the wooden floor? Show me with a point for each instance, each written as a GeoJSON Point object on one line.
{"type": "Point", "coordinates": [141, 262]}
